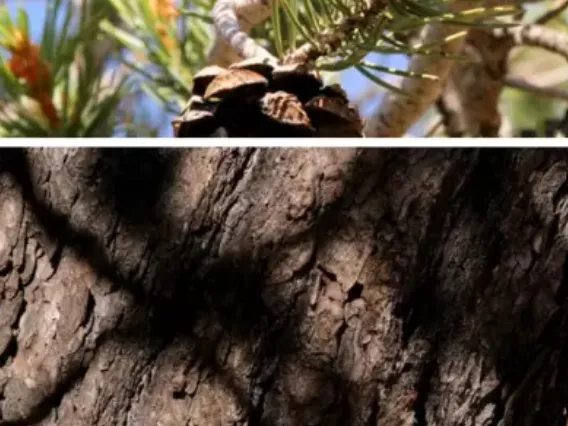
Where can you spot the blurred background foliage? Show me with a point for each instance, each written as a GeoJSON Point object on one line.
{"type": "Point", "coordinates": [124, 67]}
{"type": "Point", "coordinates": [541, 68]}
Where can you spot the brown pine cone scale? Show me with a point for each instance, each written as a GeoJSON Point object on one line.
{"type": "Point", "coordinates": [254, 99]}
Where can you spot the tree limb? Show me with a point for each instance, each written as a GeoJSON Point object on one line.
{"type": "Point", "coordinates": [559, 7]}
{"type": "Point", "coordinates": [538, 36]}
{"type": "Point", "coordinates": [397, 113]}
{"type": "Point", "coordinates": [471, 93]}
{"type": "Point", "coordinates": [233, 19]}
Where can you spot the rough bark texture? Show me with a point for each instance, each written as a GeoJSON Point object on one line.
{"type": "Point", "coordinates": [283, 287]}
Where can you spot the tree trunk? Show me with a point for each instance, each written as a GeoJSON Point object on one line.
{"type": "Point", "coordinates": [276, 287]}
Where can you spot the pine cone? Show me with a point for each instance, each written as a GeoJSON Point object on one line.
{"type": "Point", "coordinates": [254, 99]}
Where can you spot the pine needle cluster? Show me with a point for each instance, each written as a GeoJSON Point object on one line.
{"type": "Point", "coordinates": [65, 85]}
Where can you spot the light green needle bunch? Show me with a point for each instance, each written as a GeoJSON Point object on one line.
{"type": "Point", "coordinates": [340, 34]}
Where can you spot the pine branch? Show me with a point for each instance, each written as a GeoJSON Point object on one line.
{"type": "Point", "coordinates": [329, 42]}
{"type": "Point", "coordinates": [348, 34]}
{"type": "Point", "coordinates": [538, 36]}
{"type": "Point", "coordinates": [559, 7]}
{"type": "Point", "coordinates": [399, 112]}
{"type": "Point", "coordinates": [233, 19]}
{"type": "Point", "coordinates": [469, 102]}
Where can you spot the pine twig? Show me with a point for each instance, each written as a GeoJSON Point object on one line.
{"type": "Point", "coordinates": [233, 19]}
{"type": "Point", "coordinates": [537, 36]}
{"type": "Point", "coordinates": [556, 10]}
{"type": "Point", "coordinates": [329, 42]}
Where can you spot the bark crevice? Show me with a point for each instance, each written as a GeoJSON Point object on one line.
{"type": "Point", "coordinates": [187, 288]}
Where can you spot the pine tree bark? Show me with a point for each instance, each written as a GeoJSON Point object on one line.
{"type": "Point", "coordinates": [283, 287]}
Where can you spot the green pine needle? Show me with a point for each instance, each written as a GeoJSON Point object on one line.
{"type": "Point", "coordinates": [317, 19]}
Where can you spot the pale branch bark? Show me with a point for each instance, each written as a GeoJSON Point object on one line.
{"type": "Point", "coordinates": [538, 36]}
{"type": "Point", "coordinates": [233, 19]}
{"type": "Point", "coordinates": [398, 113]}
{"type": "Point", "coordinates": [557, 8]}
{"type": "Point", "coordinates": [469, 101]}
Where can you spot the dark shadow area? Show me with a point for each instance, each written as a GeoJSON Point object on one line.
{"type": "Point", "coordinates": [56, 226]}
{"type": "Point", "coordinates": [228, 292]}
{"type": "Point", "coordinates": [134, 179]}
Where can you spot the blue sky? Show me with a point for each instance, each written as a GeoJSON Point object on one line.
{"type": "Point", "coordinates": [36, 12]}
{"type": "Point", "coordinates": [353, 82]}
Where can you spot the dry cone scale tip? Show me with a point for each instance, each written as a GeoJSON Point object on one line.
{"type": "Point", "coordinates": [255, 99]}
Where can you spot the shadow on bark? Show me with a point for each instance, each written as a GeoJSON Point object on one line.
{"type": "Point", "coordinates": [196, 299]}
{"type": "Point", "coordinates": [227, 295]}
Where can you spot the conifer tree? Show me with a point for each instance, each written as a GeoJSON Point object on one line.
{"type": "Point", "coordinates": [63, 86]}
